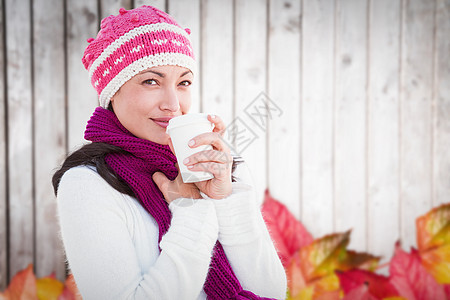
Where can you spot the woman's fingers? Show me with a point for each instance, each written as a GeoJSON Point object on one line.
{"type": "Point", "coordinates": [208, 156]}
{"type": "Point", "coordinates": [175, 189]}
{"type": "Point", "coordinates": [210, 138]}
{"type": "Point", "coordinates": [219, 125]}
{"type": "Point", "coordinates": [219, 171]}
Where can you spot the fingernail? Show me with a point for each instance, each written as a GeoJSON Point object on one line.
{"type": "Point", "coordinates": [190, 167]}
{"type": "Point", "coordinates": [191, 143]}
{"type": "Point", "coordinates": [213, 116]}
{"type": "Point", "coordinates": [186, 161]}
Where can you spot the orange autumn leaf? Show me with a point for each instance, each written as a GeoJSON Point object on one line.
{"type": "Point", "coordinates": [25, 286]}
{"type": "Point", "coordinates": [304, 294]}
{"type": "Point", "coordinates": [22, 286]}
{"type": "Point", "coordinates": [437, 263]}
{"type": "Point", "coordinates": [325, 255]}
{"type": "Point", "coordinates": [433, 228]}
{"type": "Point", "coordinates": [312, 268]}
{"type": "Point", "coordinates": [360, 260]}
{"type": "Point", "coordinates": [49, 288]}
{"type": "Point", "coordinates": [288, 234]}
{"type": "Point", "coordinates": [433, 239]}
{"type": "Point", "coordinates": [327, 288]}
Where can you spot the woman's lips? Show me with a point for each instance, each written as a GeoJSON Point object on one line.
{"type": "Point", "coordinates": [163, 122]}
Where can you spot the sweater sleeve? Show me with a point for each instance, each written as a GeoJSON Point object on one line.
{"type": "Point", "coordinates": [247, 243]}
{"type": "Point", "coordinates": [101, 253]}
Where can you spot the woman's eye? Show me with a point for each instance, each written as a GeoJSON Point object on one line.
{"type": "Point", "coordinates": [150, 81]}
{"type": "Point", "coordinates": [186, 83]}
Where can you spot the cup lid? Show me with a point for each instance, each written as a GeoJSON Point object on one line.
{"type": "Point", "coordinates": [187, 119]}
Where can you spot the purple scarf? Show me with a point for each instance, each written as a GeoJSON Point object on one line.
{"type": "Point", "coordinates": [136, 169]}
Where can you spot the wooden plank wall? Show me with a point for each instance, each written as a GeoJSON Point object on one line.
{"type": "Point", "coordinates": [346, 104]}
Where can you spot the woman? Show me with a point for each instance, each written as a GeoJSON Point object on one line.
{"type": "Point", "coordinates": [130, 227]}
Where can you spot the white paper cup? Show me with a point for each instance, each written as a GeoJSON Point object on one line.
{"type": "Point", "coordinates": [181, 130]}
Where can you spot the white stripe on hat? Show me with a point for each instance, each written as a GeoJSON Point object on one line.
{"type": "Point", "coordinates": [130, 35]}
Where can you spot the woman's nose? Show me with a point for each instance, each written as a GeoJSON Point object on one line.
{"type": "Point", "coordinates": [170, 100]}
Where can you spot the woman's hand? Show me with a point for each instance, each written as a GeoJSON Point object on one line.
{"type": "Point", "coordinates": [217, 161]}
{"type": "Point", "coordinates": [175, 189]}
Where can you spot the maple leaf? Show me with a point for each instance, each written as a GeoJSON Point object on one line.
{"type": "Point", "coordinates": [361, 292]}
{"type": "Point", "coordinates": [288, 234]}
{"type": "Point", "coordinates": [433, 239]}
{"type": "Point", "coordinates": [313, 267]}
{"type": "Point", "coordinates": [22, 286]}
{"type": "Point", "coordinates": [49, 288]}
{"type": "Point", "coordinates": [70, 291]}
{"type": "Point", "coordinates": [25, 286]}
{"type": "Point", "coordinates": [410, 277]}
{"type": "Point", "coordinates": [376, 285]}
{"type": "Point", "coordinates": [327, 254]}
{"type": "Point", "coordinates": [433, 228]}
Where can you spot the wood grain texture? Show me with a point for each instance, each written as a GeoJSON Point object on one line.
{"type": "Point", "coordinates": [350, 120]}
{"type": "Point", "coordinates": [20, 133]}
{"type": "Point", "coordinates": [217, 59]}
{"type": "Point", "coordinates": [317, 116]}
{"type": "Point", "coordinates": [284, 136]}
{"type": "Point", "coordinates": [363, 87]}
{"type": "Point", "coordinates": [49, 128]}
{"type": "Point", "coordinates": [441, 104]}
{"type": "Point", "coordinates": [161, 4]}
{"type": "Point", "coordinates": [187, 14]}
{"type": "Point", "coordinates": [250, 80]}
{"type": "Point", "coordinates": [383, 128]}
{"type": "Point", "coordinates": [415, 115]}
{"type": "Point", "coordinates": [82, 20]}
{"type": "Point", "coordinates": [3, 170]}
{"type": "Point", "coordinates": [111, 7]}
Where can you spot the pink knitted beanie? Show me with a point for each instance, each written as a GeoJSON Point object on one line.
{"type": "Point", "coordinates": [131, 42]}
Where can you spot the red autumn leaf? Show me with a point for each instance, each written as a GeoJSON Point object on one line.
{"type": "Point", "coordinates": [288, 234]}
{"type": "Point", "coordinates": [22, 286]}
{"type": "Point", "coordinates": [377, 286]}
{"type": "Point", "coordinates": [360, 292]}
{"type": "Point", "coordinates": [70, 291]}
{"type": "Point", "coordinates": [447, 290]}
{"type": "Point", "coordinates": [296, 281]}
{"type": "Point", "coordinates": [411, 279]}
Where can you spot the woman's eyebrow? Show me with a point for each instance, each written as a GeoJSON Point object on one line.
{"type": "Point", "coordinates": [157, 73]}
{"type": "Point", "coordinates": [164, 75]}
{"type": "Point", "coordinates": [185, 73]}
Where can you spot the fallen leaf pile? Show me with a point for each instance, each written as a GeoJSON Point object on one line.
{"type": "Point", "coordinates": [319, 269]}
{"type": "Point", "coordinates": [25, 286]}
{"type": "Point", "coordinates": [324, 268]}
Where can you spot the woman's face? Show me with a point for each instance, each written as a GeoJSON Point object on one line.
{"type": "Point", "coordinates": [146, 102]}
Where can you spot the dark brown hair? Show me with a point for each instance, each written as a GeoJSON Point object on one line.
{"type": "Point", "coordinates": [94, 155]}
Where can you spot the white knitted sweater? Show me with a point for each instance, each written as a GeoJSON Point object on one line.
{"type": "Point", "coordinates": [111, 242]}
